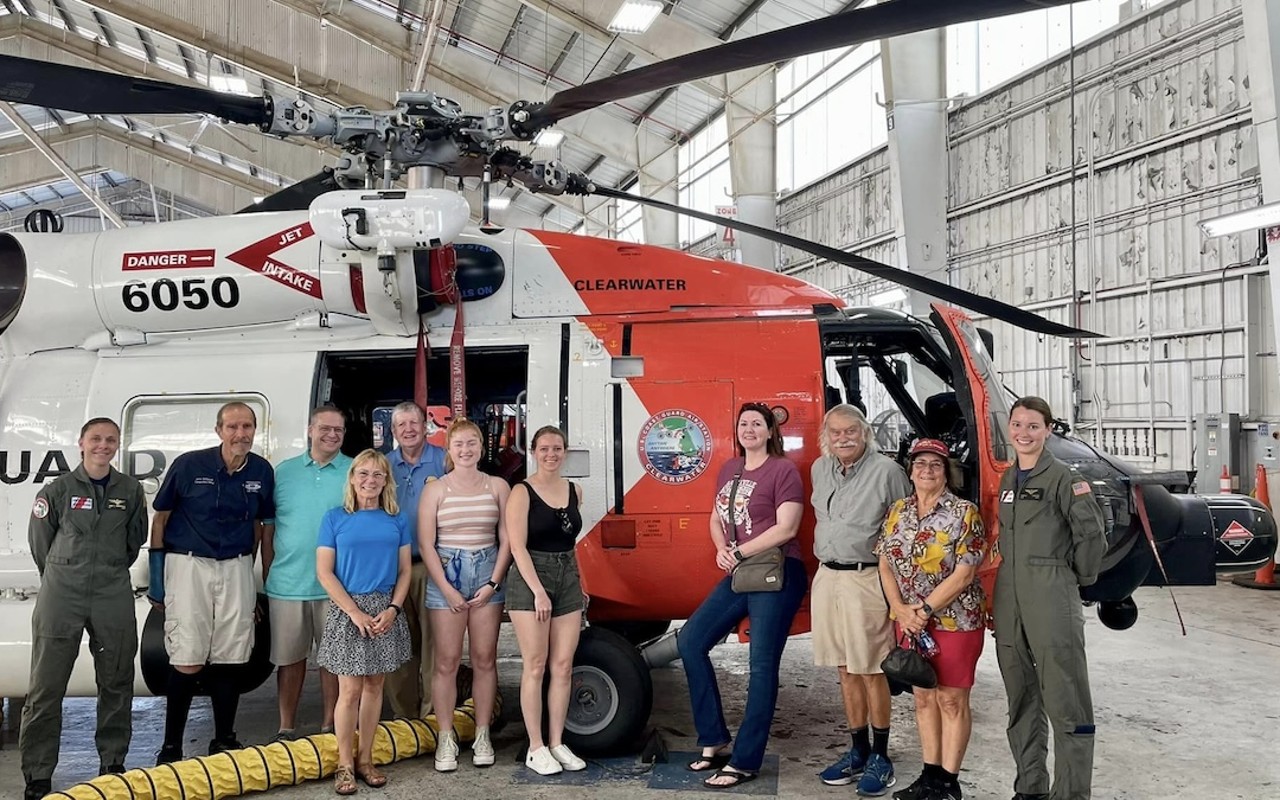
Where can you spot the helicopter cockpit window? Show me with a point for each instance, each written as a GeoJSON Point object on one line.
{"type": "Point", "coordinates": [902, 377]}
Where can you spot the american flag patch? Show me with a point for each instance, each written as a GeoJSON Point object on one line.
{"type": "Point", "coordinates": [1080, 487]}
{"type": "Point", "coordinates": [81, 503]}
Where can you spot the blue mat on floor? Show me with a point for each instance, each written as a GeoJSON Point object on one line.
{"type": "Point", "coordinates": [673, 775]}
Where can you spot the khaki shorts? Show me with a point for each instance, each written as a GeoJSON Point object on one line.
{"type": "Point", "coordinates": [296, 626]}
{"type": "Point", "coordinates": [208, 610]}
{"type": "Point", "coordinates": [558, 574]}
{"type": "Point", "coordinates": [850, 620]}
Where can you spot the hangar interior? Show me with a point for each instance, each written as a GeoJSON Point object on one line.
{"type": "Point", "coordinates": [1066, 174]}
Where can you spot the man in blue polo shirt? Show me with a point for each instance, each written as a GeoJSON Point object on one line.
{"type": "Point", "coordinates": [413, 463]}
{"type": "Point", "coordinates": [307, 486]}
{"type": "Point", "coordinates": [210, 515]}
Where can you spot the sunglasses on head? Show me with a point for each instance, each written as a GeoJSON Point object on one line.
{"type": "Point", "coordinates": [760, 408]}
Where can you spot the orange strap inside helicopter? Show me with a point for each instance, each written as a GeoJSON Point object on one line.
{"type": "Point", "coordinates": [444, 284]}
{"type": "Point", "coordinates": [1146, 528]}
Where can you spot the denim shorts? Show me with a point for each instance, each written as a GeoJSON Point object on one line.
{"type": "Point", "coordinates": [467, 571]}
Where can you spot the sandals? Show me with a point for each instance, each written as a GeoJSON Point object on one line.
{"type": "Point", "coordinates": [704, 763]}
{"type": "Point", "coordinates": [739, 778]}
{"type": "Point", "coordinates": [344, 780]}
{"type": "Point", "coordinates": [371, 776]}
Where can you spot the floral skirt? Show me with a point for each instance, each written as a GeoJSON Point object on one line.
{"type": "Point", "coordinates": [343, 651]}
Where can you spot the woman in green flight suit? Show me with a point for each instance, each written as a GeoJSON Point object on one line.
{"type": "Point", "coordinates": [1051, 540]}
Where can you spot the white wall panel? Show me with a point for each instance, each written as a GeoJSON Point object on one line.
{"type": "Point", "coordinates": [850, 209]}
{"type": "Point", "coordinates": [1106, 212]}
{"type": "Point", "coordinates": [1153, 136]}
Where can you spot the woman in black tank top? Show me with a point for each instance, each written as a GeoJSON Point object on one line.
{"type": "Point", "coordinates": [552, 530]}
{"type": "Point", "coordinates": [544, 597]}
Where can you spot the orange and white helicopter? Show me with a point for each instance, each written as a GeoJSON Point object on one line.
{"type": "Point", "coordinates": [641, 354]}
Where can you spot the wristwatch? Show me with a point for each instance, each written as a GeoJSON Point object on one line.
{"type": "Point", "coordinates": [737, 554]}
{"type": "Point", "coordinates": [927, 609]}
{"type": "Point", "coordinates": [497, 587]}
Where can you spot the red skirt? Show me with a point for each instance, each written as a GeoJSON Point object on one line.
{"type": "Point", "coordinates": [958, 651]}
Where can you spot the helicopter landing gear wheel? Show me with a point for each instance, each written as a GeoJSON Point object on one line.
{"type": "Point", "coordinates": [610, 695]}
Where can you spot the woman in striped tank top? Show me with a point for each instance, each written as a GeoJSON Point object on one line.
{"type": "Point", "coordinates": [460, 519]}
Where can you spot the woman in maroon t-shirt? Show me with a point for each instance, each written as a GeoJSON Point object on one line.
{"type": "Point", "coordinates": [757, 507]}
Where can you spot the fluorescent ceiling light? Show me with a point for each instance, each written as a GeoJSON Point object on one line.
{"type": "Point", "coordinates": [1251, 219]}
{"type": "Point", "coordinates": [635, 16]}
{"type": "Point", "coordinates": [888, 298]}
{"type": "Point", "coordinates": [228, 83]}
{"type": "Point", "coordinates": [548, 137]}
{"type": "Point", "coordinates": [499, 203]}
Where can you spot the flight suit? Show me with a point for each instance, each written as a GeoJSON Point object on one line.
{"type": "Point", "coordinates": [1052, 539]}
{"type": "Point", "coordinates": [83, 539]}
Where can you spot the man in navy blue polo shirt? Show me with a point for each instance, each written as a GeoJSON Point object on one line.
{"type": "Point", "coordinates": [210, 515]}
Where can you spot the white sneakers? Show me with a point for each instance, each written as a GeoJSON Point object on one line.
{"type": "Point", "coordinates": [567, 759]}
{"type": "Point", "coordinates": [447, 752]}
{"type": "Point", "coordinates": [482, 749]}
{"type": "Point", "coordinates": [542, 762]}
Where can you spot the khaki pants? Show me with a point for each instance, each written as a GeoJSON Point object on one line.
{"type": "Point", "coordinates": [408, 689]}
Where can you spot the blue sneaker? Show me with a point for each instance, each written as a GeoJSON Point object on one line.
{"type": "Point", "coordinates": [877, 776]}
{"type": "Point", "coordinates": [845, 771]}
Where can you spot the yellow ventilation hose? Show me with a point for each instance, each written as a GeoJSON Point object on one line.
{"type": "Point", "coordinates": [263, 767]}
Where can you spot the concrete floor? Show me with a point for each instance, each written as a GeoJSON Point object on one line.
{"type": "Point", "coordinates": [1192, 717]}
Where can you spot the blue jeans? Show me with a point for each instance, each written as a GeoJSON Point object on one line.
{"type": "Point", "coordinates": [770, 615]}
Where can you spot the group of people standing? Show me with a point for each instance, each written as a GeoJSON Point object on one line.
{"type": "Point", "coordinates": [381, 566]}
{"type": "Point", "coordinates": [898, 559]}
{"type": "Point", "coordinates": [384, 566]}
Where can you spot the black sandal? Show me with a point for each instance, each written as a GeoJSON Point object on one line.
{"type": "Point", "coordinates": [739, 778]}
{"type": "Point", "coordinates": [716, 760]}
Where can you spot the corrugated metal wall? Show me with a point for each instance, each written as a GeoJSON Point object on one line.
{"type": "Point", "coordinates": [852, 210]}
{"type": "Point", "coordinates": [1096, 223]}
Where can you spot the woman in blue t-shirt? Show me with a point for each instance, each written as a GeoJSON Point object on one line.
{"type": "Point", "coordinates": [362, 561]}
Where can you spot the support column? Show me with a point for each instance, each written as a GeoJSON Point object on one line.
{"type": "Point", "coordinates": [1262, 48]}
{"type": "Point", "coordinates": [915, 81]}
{"type": "Point", "coordinates": [753, 161]}
{"type": "Point", "coordinates": [657, 179]}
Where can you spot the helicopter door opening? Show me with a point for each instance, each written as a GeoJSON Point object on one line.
{"type": "Point", "coordinates": [368, 385]}
{"type": "Point", "coordinates": [897, 371]}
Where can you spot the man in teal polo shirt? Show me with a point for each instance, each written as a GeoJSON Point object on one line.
{"type": "Point", "coordinates": [307, 486]}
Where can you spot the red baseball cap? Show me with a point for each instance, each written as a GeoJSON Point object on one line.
{"type": "Point", "coordinates": [929, 446]}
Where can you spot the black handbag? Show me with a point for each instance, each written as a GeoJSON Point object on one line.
{"type": "Point", "coordinates": [907, 665]}
{"type": "Point", "coordinates": [763, 572]}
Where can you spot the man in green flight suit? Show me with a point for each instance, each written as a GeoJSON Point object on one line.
{"type": "Point", "coordinates": [85, 531]}
{"type": "Point", "coordinates": [1052, 540]}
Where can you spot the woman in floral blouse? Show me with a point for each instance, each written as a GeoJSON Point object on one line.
{"type": "Point", "coordinates": [929, 553]}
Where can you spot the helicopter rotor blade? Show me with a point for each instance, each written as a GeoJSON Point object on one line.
{"type": "Point", "coordinates": [297, 196]}
{"type": "Point", "coordinates": [92, 91]}
{"type": "Point", "coordinates": [943, 291]}
{"type": "Point", "coordinates": [883, 20]}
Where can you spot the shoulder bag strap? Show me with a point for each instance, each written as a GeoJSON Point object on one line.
{"type": "Point", "coordinates": [733, 495]}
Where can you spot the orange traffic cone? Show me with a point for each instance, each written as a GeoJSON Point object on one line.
{"type": "Point", "coordinates": [1224, 481]}
{"type": "Point", "coordinates": [1265, 577]}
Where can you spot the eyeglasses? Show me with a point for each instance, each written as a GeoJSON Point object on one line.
{"type": "Point", "coordinates": [328, 429]}
{"type": "Point", "coordinates": [566, 524]}
{"type": "Point", "coordinates": [928, 466]}
{"type": "Point", "coordinates": [364, 474]}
